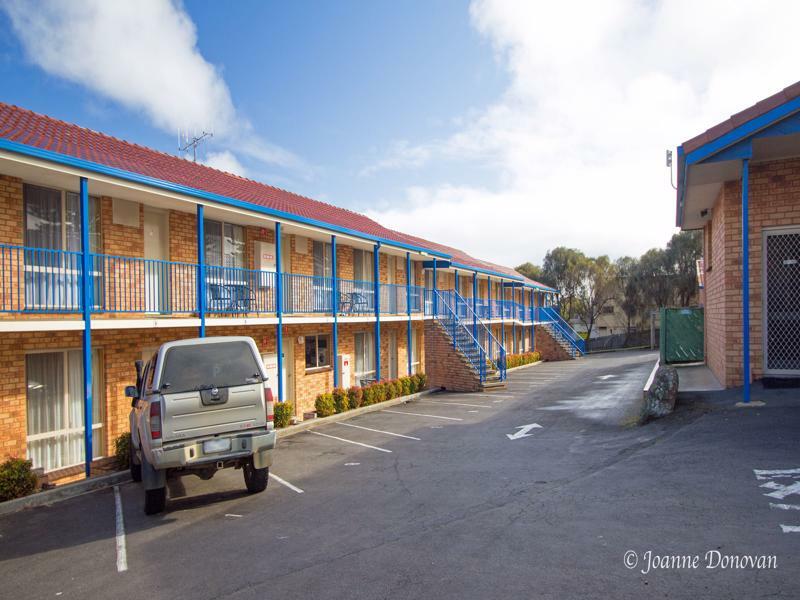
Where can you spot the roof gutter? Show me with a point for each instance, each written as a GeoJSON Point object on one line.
{"type": "Point", "coordinates": [485, 271]}
{"type": "Point", "coordinates": [91, 167]}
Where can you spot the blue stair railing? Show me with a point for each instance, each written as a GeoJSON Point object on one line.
{"type": "Point", "coordinates": [561, 329]}
{"type": "Point", "coordinates": [470, 334]}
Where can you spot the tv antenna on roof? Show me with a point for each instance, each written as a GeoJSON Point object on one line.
{"type": "Point", "coordinates": [188, 140]}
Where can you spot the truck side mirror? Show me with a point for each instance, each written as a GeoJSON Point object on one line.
{"type": "Point", "coordinates": [132, 392]}
{"type": "Point", "coordinates": [139, 366]}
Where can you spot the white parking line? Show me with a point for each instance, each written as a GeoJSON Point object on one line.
{"type": "Point", "coordinates": [480, 395]}
{"type": "Point", "coordinates": [122, 555]}
{"type": "Point", "coordinates": [397, 412]}
{"type": "Point", "coordinates": [452, 403]}
{"type": "Point", "coordinates": [408, 437]}
{"type": "Point", "coordinates": [333, 437]}
{"type": "Point", "coordinates": [785, 506]}
{"type": "Point", "coordinates": [790, 528]}
{"type": "Point", "coordinates": [294, 488]}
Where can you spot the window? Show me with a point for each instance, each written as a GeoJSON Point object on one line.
{"type": "Point", "coordinates": [323, 259]}
{"type": "Point", "coordinates": [220, 365]}
{"type": "Point", "coordinates": [415, 343]}
{"type": "Point", "coordinates": [317, 354]}
{"type": "Point", "coordinates": [52, 222]}
{"type": "Point", "coordinates": [608, 309]}
{"type": "Point", "coordinates": [362, 265]}
{"type": "Point", "coordinates": [54, 384]}
{"type": "Point", "coordinates": [365, 355]}
{"type": "Point", "coordinates": [224, 244]}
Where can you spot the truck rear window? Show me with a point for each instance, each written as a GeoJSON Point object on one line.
{"type": "Point", "coordinates": [203, 366]}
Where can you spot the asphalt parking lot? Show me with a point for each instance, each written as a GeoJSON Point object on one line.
{"type": "Point", "coordinates": [538, 490]}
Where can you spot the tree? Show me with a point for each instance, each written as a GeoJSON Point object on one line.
{"type": "Point", "coordinates": [598, 287]}
{"type": "Point", "coordinates": [535, 272]}
{"type": "Point", "coordinates": [630, 290]}
{"type": "Point", "coordinates": [565, 270]}
{"type": "Point", "coordinates": [683, 251]}
{"type": "Point", "coordinates": [654, 278]}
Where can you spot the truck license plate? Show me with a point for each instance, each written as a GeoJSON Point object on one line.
{"type": "Point", "coordinates": [212, 446]}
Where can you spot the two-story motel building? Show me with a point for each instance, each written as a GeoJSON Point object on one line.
{"type": "Point", "coordinates": [108, 249]}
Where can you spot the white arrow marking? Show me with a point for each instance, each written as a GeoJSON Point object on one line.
{"type": "Point", "coordinates": [523, 431]}
{"type": "Point", "coordinates": [604, 377]}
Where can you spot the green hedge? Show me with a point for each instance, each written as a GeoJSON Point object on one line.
{"type": "Point", "coordinates": [341, 400]}
{"type": "Point", "coordinates": [283, 412]}
{"type": "Point", "coordinates": [122, 451]}
{"type": "Point", "coordinates": [523, 358]}
{"type": "Point", "coordinates": [17, 479]}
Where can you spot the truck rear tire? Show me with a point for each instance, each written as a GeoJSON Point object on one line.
{"type": "Point", "coordinates": [255, 479]}
{"type": "Point", "coordinates": [155, 500]}
{"type": "Point", "coordinates": [136, 468]}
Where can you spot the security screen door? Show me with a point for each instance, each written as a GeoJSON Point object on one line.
{"type": "Point", "coordinates": [782, 302]}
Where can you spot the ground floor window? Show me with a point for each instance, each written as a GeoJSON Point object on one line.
{"type": "Point", "coordinates": [54, 384]}
{"type": "Point", "coordinates": [317, 354]}
{"type": "Point", "coordinates": [365, 356]}
{"type": "Point", "coordinates": [415, 344]}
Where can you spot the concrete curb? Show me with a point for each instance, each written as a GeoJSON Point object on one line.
{"type": "Point", "coordinates": [300, 427]}
{"type": "Point", "coordinates": [64, 492]}
{"type": "Point", "coordinates": [511, 370]}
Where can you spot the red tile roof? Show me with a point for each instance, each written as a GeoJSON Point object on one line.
{"type": "Point", "coordinates": [758, 109]}
{"type": "Point", "coordinates": [46, 133]}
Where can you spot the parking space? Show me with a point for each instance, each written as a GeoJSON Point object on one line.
{"type": "Point", "coordinates": [413, 501]}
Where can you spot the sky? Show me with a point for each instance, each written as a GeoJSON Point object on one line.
{"type": "Point", "coordinates": [504, 128]}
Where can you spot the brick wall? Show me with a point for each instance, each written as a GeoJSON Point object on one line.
{"type": "Point", "coordinates": [547, 346]}
{"type": "Point", "coordinates": [445, 366]}
{"type": "Point", "coordinates": [774, 202]}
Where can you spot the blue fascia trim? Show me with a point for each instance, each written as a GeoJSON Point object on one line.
{"type": "Point", "coordinates": [513, 284]}
{"type": "Point", "coordinates": [742, 131]}
{"type": "Point", "coordinates": [744, 148]}
{"type": "Point", "coordinates": [438, 264]}
{"type": "Point", "coordinates": [681, 183]}
{"type": "Point", "coordinates": [79, 163]}
{"type": "Point", "coordinates": [480, 270]}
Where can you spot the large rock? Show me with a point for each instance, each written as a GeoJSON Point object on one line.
{"type": "Point", "coordinates": [660, 398]}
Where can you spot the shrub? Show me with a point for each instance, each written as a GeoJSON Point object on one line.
{"type": "Point", "coordinates": [324, 405]}
{"type": "Point", "coordinates": [355, 397]}
{"type": "Point", "coordinates": [405, 385]}
{"type": "Point", "coordinates": [523, 358]}
{"type": "Point", "coordinates": [379, 391]}
{"type": "Point", "coordinates": [283, 414]}
{"type": "Point", "coordinates": [122, 451]}
{"type": "Point", "coordinates": [17, 479]}
{"type": "Point", "coordinates": [423, 381]}
{"type": "Point", "coordinates": [412, 384]}
{"type": "Point", "coordinates": [368, 396]}
{"type": "Point", "coordinates": [340, 400]}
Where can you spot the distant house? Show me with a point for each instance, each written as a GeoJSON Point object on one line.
{"type": "Point", "coordinates": [744, 174]}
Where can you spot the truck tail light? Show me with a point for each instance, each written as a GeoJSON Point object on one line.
{"type": "Point", "coordinates": [155, 420]}
{"type": "Point", "coordinates": [269, 404]}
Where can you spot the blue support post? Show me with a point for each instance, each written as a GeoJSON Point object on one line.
{"type": "Point", "coordinates": [435, 283]}
{"type": "Point", "coordinates": [86, 306]}
{"type": "Point", "coordinates": [489, 297]}
{"type": "Point", "coordinates": [408, 310]}
{"type": "Point", "coordinates": [455, 281]}
{"type": "Point", "coordinates": [502, 293]}
{"type": "Point", "coordinates": [475, 304]}
{"type": "Point", "coordinates": [746, 278]}
{"type": "Point", "coordinates": [279, 310]}
{"type": "Point", "coordinates": [514, 321]}
{"type": "Point", "coordinates": [335, 302]}
{"type": "Point", "coordinates": [201, 270]}
{"type": "Point", "coordinates": [376, 272]}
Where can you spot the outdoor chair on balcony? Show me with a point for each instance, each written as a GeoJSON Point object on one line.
{"type": "Point", "coordinates": [230, 298]}
{"type": "Point", "coordinates": [353, 302]}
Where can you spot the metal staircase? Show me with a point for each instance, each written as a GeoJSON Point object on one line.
{"type": "Point", "coordinates": [561, 331]}
{"type": "Point", "coordinates": [470, 336]}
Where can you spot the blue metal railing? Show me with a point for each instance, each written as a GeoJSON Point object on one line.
{"type": "Point", "coordinates": [356, 297]}
{"type": "Point", "coordinates": [451, 304]}
{"type": "Point", "coordinates": [124, 284]}
{"type": "Point", "coordinates": [306, 294]}
{"type": "Point", "coordinates": [550, 315]}
{"type": "Point", "coordinates": [460, 335]}
{"type": "Point", "coordinates": [39, 280]}
{"type": "Point", "coordinates": [233, 290]}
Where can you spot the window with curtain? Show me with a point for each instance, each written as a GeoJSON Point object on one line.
{"type": "Point", "coordinates": [225, 244]}
{"type": "Point", "coordinates": [53, 222]}
{"type": "Point", "coordinates": [365, 355]}
{"type": "Point", "coordinates": [323, 259]}
{"type": "Point", "coordinates": [54, 384]}
{"type": "Point", "coordinates": [415, 352]}
{"type": "Point", "coordinates": [362, 265]}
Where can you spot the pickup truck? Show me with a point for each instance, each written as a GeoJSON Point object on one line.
{"type": "Point", "coordinates": [200, 405]}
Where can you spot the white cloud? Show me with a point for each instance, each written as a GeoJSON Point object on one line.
{"type": "Point", "coordinates": [597, 93]}
{"type": "Point", "coordinates": [225, 161]}
{"type": "Point", "coordinates": [143, 55]}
